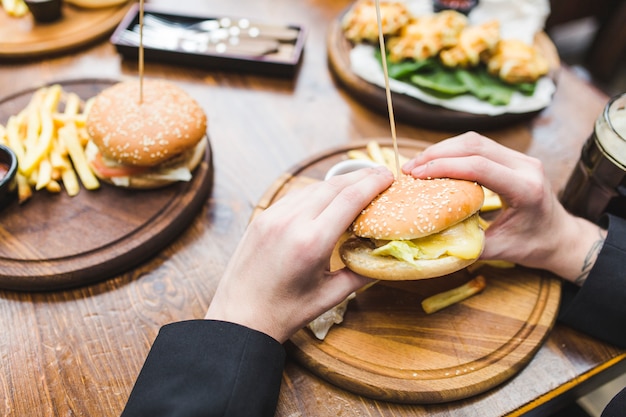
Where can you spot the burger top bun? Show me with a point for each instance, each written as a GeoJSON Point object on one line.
{"type": "Point", "coordinates": [412, 208]}
{"type": "Point", "coordinates": [165, 124]}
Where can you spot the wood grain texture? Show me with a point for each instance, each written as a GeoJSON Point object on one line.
{"type": "Point", "coordinates": [56, 241]}
{"type": "Point", "coordinates": [24, 38]}
{"type": "Point", "coordinates": [77, 352]}
{"type": "Point", "coordinates": [388, 349]}
{"type": "Point", "coordinates": [412, 110]}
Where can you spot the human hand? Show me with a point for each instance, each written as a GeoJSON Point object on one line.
{"type": "Point", "coordinates": [278, 279]}
{"type": "Point", "coordinates": [533, 229]}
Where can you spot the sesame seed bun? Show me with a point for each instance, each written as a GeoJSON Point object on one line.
{"type": "Point", "coordinates": [147, 144]}
{"type": "Point", "coordinates": [165, 124]}
{"type": "Point", "coordinates": [432, 212]}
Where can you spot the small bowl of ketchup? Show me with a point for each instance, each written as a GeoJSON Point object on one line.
{"type": "Point", "coordinates": [8, 171]}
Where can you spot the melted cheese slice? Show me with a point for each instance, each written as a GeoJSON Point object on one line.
{"type": "Point", "coordinates": [463, 240]}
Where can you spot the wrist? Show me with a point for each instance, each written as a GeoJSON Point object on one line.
{"type": "Point", "coordinates": [577, 249]}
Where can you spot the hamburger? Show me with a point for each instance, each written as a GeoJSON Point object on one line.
{"type": "Point", "coordinates": [417, 229]}
{"type": "Point", "coordinates": [147, 144]}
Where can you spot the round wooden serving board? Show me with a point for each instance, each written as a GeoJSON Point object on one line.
{"type": "Point", "coordinates": [24, 38]}
{"type": "Point", "coordinates": [387, 348]}
{"type": "Point", "coordinates": [409, 109]}
{"type": "Point", "coordinates": [54, 241]}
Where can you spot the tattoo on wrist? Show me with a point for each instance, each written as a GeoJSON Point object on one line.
{"type": "Point", "coordinates": [591, 257]}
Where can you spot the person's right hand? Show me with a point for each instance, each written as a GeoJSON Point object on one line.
{"type": "Point", "coordinates": [533, 229]}
{"type": "Point", "coordinates": [279, 278]}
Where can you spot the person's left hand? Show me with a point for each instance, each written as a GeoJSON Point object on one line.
{"type": "Point", "coordinates": [278, 279]}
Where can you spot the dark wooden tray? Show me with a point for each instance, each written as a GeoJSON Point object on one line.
{"type": "Point", "coordinates": [54, 241]}
{"type": "Point", "coordinates": [411, 110]}
{"type": "Point", "coordinates": [22, 38]}
{"type": "Point", "coordinates": [388, 349]}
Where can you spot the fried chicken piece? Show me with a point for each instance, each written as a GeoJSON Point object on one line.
{"type": "Point", "coordinates": [426, 36]}
{"type": "Point", "coordinates": [474, 43]}
{"type": "Point", "coordinates": [361, 22]}
{"type": "Point", "coordinates": [515, 61]}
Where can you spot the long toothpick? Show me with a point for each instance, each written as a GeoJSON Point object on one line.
{"type": "Point", "coordinates": [383, 54]}
{"type": "Point", "coordinates": [141, 51]}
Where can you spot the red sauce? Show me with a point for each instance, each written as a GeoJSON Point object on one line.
{"type": "Point", "coordinates": [4, 169]}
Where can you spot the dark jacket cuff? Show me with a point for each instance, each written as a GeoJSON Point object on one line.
{"type": "Point", "coordinates": [208, 368]}
{"type": "Point", "coordinates": [598, 308]}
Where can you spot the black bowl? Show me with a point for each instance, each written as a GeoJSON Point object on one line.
{"type": "Point", "coordinates": [45, 11]}
{"type": "Point", "coordinates": [8, 172]}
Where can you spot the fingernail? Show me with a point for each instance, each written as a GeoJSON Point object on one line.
{"type": "Point", "coordinates": [382, 169]}
{"type": "Point", "coordinates": [418, 171]}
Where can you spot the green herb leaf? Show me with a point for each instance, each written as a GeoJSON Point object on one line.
{"type": "Point", "coordinates": [438, 80]}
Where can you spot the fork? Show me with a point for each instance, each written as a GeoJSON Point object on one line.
{"type": "Point", "coordinates": [239, 28]}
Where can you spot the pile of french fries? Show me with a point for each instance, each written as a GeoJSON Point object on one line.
{"type": "Point", "coordinates": [49, 138]}
{"type": "Point", "coordinates": [381, 155]}
{"type": "Point", "coordinates": [15, 8]}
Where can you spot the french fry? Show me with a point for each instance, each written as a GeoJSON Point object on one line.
{"type": "Point", "coordinates": [13, 137]}
{"type": "Point", "coordinates": [43, 156]}
{"type": "Point", "coordinates": [356, 154]}
{"type": "Point", "coordinates": [380, 155]}
{"type": "Point", "coordinates": [53, 187]}
{"type": "Point", "coordinates": [24, 192]}
{"type": "Point", "coordinates": [390, 159]}
{"type": "Point", "coordinates": [70, 181]}
{"type": "Point", "coordinates": [492, 201]}
{"type": "Point", "coordinates": [72, 104]}
{"type": "Point", "coordinates": [69, 135]}
{"type": "Point", "coordinates": [35, 154]}
{"type": "Point", "coordinates": [58, 157]}
{"type": "Point", "coordinates": [52, 97]}
{"type": "Point", "coordinates": [496, 263]}
{"type": "Point", "coordinates": [3, 135]}
{"type": "Point", "coordinates": [376, 155]}
{"type": "Point", "coordinates": [15, 8]}
{"type": "Point", "coordinates": [44, 174]}
{"type": "Point", "coordinates": [444, 299]}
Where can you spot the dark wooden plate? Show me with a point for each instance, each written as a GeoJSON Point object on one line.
{"type": "Point", "coordinates": [54, 241]}
{"type": "Point", "coordinates": [411, 110]}
{"type": "Point", "coordinates": [387, 348]}
{"type": "Point", "coordinates": [22, 38]}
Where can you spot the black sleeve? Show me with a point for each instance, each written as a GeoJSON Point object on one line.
{"type": "Point", "coordinates": [598, 308]}
{"type": "Point", "coordinates": [208, 368]}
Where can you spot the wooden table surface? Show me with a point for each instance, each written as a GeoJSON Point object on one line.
{"type": "Point", "coordinates": [77, 352]}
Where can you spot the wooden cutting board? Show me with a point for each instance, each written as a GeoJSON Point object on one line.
{"type": "Point", "coordinates": [24, 38]}
{"type": "Point", "coordinates": [54, 241]}
{"type": "Point", "coordinates": [411, 110]}
{"type": "Point", "coordinates": [387, 348]}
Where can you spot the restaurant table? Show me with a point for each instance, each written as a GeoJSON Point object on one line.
{"type": "Point", "coordinates": [77, 352]}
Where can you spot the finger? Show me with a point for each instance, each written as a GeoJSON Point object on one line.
{"type": "Point", "coordinates": [341, 211]}
{"type": "Point", "coordinates": [469, 144]}
{"type": "Point", "coordinates": [493, 175]}
{"type": "Point", "coordinates": [313, 199]}
{"type": "Point", "coordinates": [341, 284]}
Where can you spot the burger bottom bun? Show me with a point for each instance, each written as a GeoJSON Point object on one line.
{"type": "Point", "coordinates": [356, 254]}
{"type": "Point", "coordinates": [152, 179]}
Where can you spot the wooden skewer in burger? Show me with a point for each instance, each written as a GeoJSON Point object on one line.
{"type": "Point", "coordinates": [145, 133]}
{"type": "Point", "coordinates": [417, 228]}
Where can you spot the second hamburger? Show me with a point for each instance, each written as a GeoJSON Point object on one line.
{"type": "Point", "coordinates": [146, 144]}
{"type": "Point", "coordinates": [417, 229]}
